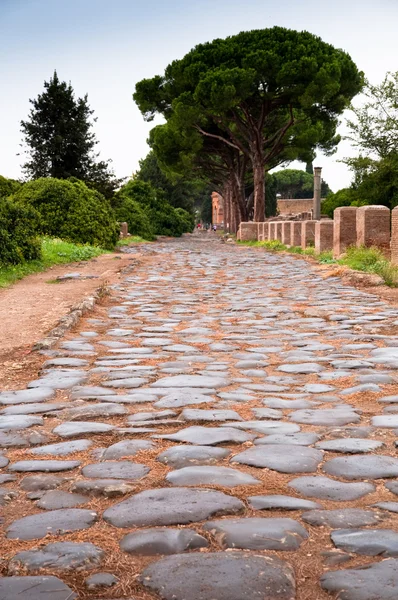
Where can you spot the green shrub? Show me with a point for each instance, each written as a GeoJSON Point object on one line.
{"type": "Point", "coordinates": [164, 219]}
{"type": "Point", "coordinates": [90, 219]}
{"type": "Point", "coordinates": [187, 219]}
{"type": "Point", "coordinates": [344, 197]}
{"type": "Point", "coordinates": [71, 210]}
{"type": "Point", "coordinates": [136, 218]}
{"type": "Point", "coordinates": [18, 233]}
{"type": "Point", "coordinates": [8, 186]}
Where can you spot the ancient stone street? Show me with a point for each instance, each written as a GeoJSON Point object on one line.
{"type": "Point", "coordinates": [222, 427]}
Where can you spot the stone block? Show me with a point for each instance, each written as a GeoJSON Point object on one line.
{"type": "Point", "coordinates": [344, 230]}
{"type": "Point", "coordinates": [124, 229]}
{"type": "Point", "coordinates": [286, 232]}
{"type": "Point", "coordinates": [323, 235]}
{"type": "Point", "coordinates": [373, 226]}
{"type": "Point", "coordinates": [266, 232]}
{"type": "Point", "coordinates": [295, 233]}
{"type": "Point", "coordinates": [307, 233]}
{"type": "Point", "coordinates": [248, 231]}
{"type": "Point", "coordinates": [278, 231]}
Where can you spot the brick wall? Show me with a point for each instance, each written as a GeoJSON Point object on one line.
{"type": "Point", "coordinates": [287, 206]}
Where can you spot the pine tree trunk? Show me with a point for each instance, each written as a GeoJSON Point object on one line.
{"type": "Point", "coordinates": [259, 190]}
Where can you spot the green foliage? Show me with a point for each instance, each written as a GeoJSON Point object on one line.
{"type": "Point", "coordinates": [295, 183]}
{"type": "Point", "coordinates": [273, 95]}
{"type": "Point", "coordinates": [163, 218]}
{"type": "Point", "coordinates": [180, 191]}
{"type": "Point", "coordinates": [371, 260]}
{"type": "Point", "coordinates": [344, 197]}
{"type": "Point", "coordinates": [206, 210]}
{"type": "Point", "coordinates": [60, 142]}
{"type": "Point", "coordinates": [379, 184]}
{"type": "Point", "coordinates": [90, 219]}
{"type": "Point", "coordinates": [18, 233]}
{"type": "Point", "coordinates": [136, 218]}
{"type": "Point", "coordinates": [271, 189]}
{"type": "Point", "coordinates": [70, 210]}
{"type": "Point", "coordinates": [187, 220]}
{"type": "Point", "coordinates": [8, 186]}
{"type": "Point", "coordinates": [52, 252]}
{"type": "Point", "coordinates": [374, 127]}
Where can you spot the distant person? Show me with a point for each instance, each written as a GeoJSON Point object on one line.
{"type": "Point", "coordinates": [214, 227]}
{"type": "Point", "coordinates": [199, 225]}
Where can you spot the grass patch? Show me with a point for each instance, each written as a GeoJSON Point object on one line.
{"type": "Point", "coordinates": [54, 252]}
{"type": "Point", "coordinates": [371, 260]}
{"type": "Point", "coordinates": [134, 239]}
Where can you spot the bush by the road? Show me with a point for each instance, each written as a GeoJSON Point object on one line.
{"type": "Point", "coordinates": [70, 210]}
{"type": "Point", "coordinates": [137, 220]}
{"type": "Point", "coordinates": [18, 233]}
{"type": "Point", "coordinates": [163, 218]}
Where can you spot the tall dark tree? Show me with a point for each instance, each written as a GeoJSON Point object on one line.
{"type": "Point", "coordinates": [59, 140]}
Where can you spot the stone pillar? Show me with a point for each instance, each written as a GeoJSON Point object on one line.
{"type": "Point", "coordinates": [278, 231]}
{"type": "Point", "coordinates": [344, 230]}
{"type": "Point", "coordinates": [286, 232]}
{"type": "Point", "coordinates": [323, 235]}
{"type": "Point", "coordinates": [266, 232]}
{"type": "Point", "coordinates": [248, 231]}
{"type": "Point", "coordinates": [295, 233]}
{"type": "Point", "coordinates": [373, 226]}
{"type": "Point", "coordinates": [394, 235]}
{"type": "Point", "coordinates": [272, 231]}
{"type": "Point", "coordinates": [307, 233]}
{"type": "Point", "coordinates": [124, 229]}
{"type": "Point", "coordinates": [261, 232]}
{"type": "Point", "coordinates": [316, 211]}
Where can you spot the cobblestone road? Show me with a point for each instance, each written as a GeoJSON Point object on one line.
{"type": "Point", "coordinates": [223, 428]}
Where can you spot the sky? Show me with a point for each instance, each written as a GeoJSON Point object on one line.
{"type": "Point", "coordinates": [103, 47]}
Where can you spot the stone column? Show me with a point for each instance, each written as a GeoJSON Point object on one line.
{"type": "Point", "coordinates": [345, 229]}
{"type": "Point", "coordinates": [124, 229]}
{"type": "Point", "coordinates": [286, 232]}
{"type": "Point", "coordinates": [323, 235]}
{"type": "Point", "coordinates": [248, 231]}
{"type": "Point", "coordinates": [307, 233]}
{"type": "Point", "coordinates": [373, 226]}
{"type": "Point", "coordinates": [295, 235]}
{"type": "Point", "coordinates": [261, 232]}
{"type": "Point", "coordinates": [266, 231]}
{"type": "Point", "coordinates": [316, 211]}
{"type": "Point", "coordinates": [278, 231]}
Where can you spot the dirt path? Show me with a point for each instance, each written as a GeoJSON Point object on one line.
{"type": "Point", "coordinates": [222, 427]}
{"type": "Point", "coordinates": [30, 308]}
